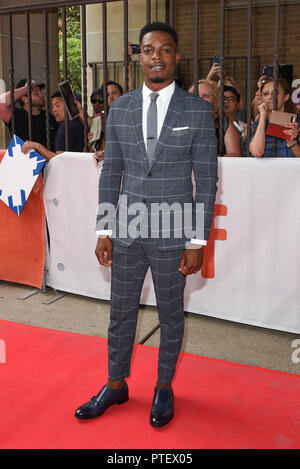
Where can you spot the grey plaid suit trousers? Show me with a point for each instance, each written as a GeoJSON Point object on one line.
{"type": "Point", "coordinates": [129, 267]}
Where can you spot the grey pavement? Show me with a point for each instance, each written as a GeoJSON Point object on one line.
{"type": "Point", "coordinates": [206, 336]}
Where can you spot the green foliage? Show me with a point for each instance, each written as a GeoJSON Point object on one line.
{"type": "Point", "coordinates": [73, 46]}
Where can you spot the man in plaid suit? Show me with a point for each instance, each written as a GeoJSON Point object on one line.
{"type": "Point", "coordinates": [145, 169]}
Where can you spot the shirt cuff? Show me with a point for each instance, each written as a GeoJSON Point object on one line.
{"type": "Point", "coordinates": [103, 233]}
{"type": "Point", "coordinates": [196, 244]}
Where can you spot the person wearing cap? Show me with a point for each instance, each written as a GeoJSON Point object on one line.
{"type": "Point", "coordinates": [38, 115]}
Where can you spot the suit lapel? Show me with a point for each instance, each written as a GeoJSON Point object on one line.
{"type": "Point", "coordinates": [174, 112]}
{"type": "Point", "coordinates": [136, 109]}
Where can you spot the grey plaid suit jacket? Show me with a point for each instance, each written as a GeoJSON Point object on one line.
{"type": "Point", "coordinates": [187, 143]}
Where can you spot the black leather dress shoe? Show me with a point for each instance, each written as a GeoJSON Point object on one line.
{"type": "Point", "coordinates": [104, 399]}
{"type": "Point", "coordinates": [162, 407]}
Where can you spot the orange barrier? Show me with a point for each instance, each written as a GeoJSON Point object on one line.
{"type": "Point", "coordinates": [22, 239]}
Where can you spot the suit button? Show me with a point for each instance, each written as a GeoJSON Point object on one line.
{"type": "Point", "coordinates": [150, 174]}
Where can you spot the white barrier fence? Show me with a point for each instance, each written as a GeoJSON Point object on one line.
{"type": "Point", "coordinates": [254, 271]}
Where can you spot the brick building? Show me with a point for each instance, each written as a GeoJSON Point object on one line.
{"type": "Point", "coordinates": [263, 21]}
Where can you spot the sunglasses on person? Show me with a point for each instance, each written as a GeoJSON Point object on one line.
{"type": "Point", "coordinates": [97, 100]}
{"type": "Point", "coordinates": [265, 80]}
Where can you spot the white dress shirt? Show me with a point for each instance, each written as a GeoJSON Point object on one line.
{"type": "Point", "coordinates": [162, 103]}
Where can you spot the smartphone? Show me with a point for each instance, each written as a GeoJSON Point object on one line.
{"type": "Point", "coordinates": [282, 118]}
{"type": "Point", "coordinates": [68, 97]}
{"type": "Point", "coordinates": [135, 48]}
{"type": "Point", "coordinates": [216, 59]}
{"type": "Point", "coordinates": [278, 123]}
{"type": "Point", "coordinates": [268, 71]}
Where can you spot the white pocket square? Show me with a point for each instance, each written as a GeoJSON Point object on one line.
{"type": "Point", "coordinates": [180, 128]}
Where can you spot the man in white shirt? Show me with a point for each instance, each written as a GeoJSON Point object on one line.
{"type": "Point", "coordinates": [156, 137]}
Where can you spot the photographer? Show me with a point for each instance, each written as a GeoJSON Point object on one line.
{"type": "Point", "coordinates": [261, 144]}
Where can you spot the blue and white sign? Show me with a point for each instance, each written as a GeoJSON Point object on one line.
{"type": "Point", "coordinates": [18, 174]}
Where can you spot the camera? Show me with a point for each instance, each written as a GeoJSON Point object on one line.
{"type": "Point", "coordinates": [135, 48]}
{"type": "Point", "coordinates": [216, 59]}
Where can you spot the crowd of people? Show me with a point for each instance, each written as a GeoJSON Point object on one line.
{"type": "Point", "coordinates": [234, 117]}
{"type": "Point", "coordinates": [76, 140]}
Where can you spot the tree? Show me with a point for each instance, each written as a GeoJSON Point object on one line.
{"type": "Point", "coordinates": [73, 45]}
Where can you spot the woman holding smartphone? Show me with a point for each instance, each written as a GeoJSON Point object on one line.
{"type": "Point", "coordinates": [261, 144]}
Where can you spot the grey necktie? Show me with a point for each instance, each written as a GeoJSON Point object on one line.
{"type": "Point", "coordinates": [152, 126]}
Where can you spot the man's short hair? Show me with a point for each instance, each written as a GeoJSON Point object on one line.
{"type": "Point", "coordinates": [158, 26]}
{"type": "Point", "coordinates": [111, 82]}
{"type": "Point", "coordinates": [233, 90]}
{"type": "Point", "coordinates": [57, 94]}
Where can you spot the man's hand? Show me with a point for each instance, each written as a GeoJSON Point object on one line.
{"type": "Point", "coordinates": [104, 251]}
{"type": "Point", "coordinates": [28, 146]}
{"type": "Point", "coordinates": [191, 261]}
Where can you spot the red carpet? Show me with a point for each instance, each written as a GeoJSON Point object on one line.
{"type": "Point", "coordinates": [48, 374]}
